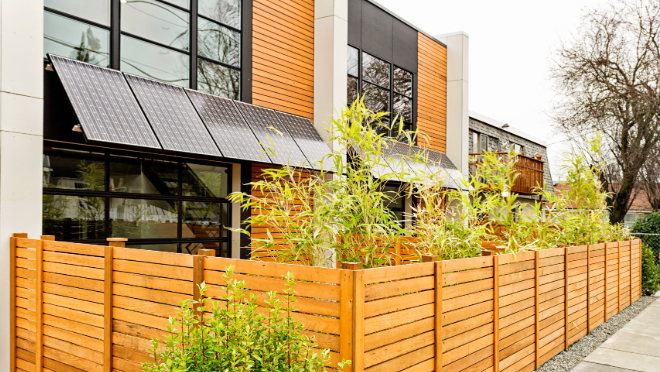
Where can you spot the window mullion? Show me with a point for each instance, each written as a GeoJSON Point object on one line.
{"type": "Point", "coordinates": [115, 34]}
{"type": "Point", "coordinates": [193, 44]}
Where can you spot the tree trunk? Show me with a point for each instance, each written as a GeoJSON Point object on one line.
{"type": "Point", "coordinates": [620, 203]}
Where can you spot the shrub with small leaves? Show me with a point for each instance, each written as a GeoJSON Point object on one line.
{"type": "Point", "coordinates": [232, 334]}
{"type": "Point", "coordinates": [650, 272]}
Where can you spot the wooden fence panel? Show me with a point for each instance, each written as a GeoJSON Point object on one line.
{"type": "Point", "coordinates": [79, 307]}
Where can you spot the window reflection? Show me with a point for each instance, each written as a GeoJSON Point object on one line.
{"type": "Point", "coordinates": [154, 62]}
{"type": "Point", "coordinates": [68, 38]}
{"type": "Point", "coordinates": [156, 247]}
{"type": "Point", "coordinates": [224, 11]}
{"type": "Point", "coordinates": [221, 249]}
{"type": "Point", "coordinates": [403, 107]}
{"type": "Point", "coordinates": [219, 43]}
{"type": "Point", "coordinates": [353, 61]}
{"type": "Point", "coordinates": [218, 80]}
{"type": "Point", "coordinates": [143, 218]}
{"type": "Point", "coordinates": [352, 90]}
{"type": "Point", "coordinates": [204, 220]}
{"type": "Point", "coordinates": [73, 170]}
{"type": "Point", "coordinates": [376, 99]}
{"type": "Point", "coordinates": [403, 82]}
{"type": "Point", "coordinates": [93, 10]}
{"type": "Point", "coordinates": [143, 176]}
{"type": "Point", "coordinates": [208, 181]}
{"type": "Point", "coordinates": [375, 70]}
{"type": "Point", "coordinates": [156, 21]}
{"type": "Point", "coordinates": [72, 218]}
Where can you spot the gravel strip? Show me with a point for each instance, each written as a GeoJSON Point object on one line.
{"type": "Point", "coordinates": [567, 359]}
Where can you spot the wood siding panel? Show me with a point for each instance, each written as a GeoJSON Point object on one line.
{"type": "Point", "coordinates": [283, 56]}
{"type": "Point", "coordinates": [432, 93]}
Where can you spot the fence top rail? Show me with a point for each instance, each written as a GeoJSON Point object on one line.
{"type": "Point", "coordinates": [274, 269]}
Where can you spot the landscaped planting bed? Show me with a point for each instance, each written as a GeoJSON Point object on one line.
{"type": "Point", "coordinates": [79, 307]}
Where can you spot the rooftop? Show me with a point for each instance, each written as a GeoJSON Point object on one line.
{"type": "Point", "coordinates": [498, 124]}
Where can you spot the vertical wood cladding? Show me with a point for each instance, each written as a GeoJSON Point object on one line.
{"type": "Point", "coordinates": [432, 92]}
{"type": "Point", "coordinates": [283, 55]}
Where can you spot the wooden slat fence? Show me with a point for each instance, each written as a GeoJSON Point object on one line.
{"type": "Point", "coordinates": [79, 307]}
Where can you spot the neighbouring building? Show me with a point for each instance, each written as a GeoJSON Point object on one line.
{"type": "Point", "coordinates": [486, 134]}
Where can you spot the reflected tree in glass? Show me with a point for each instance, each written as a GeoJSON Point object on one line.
{"type": "Point", "coordinates": [218, 80]}
{"type": "Point", "coordinates": [224, 11]}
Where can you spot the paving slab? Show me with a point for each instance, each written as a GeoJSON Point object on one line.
{"type": "Point", "coordinates": [624, 359]}
{"type": "Point", "coordinates": [634, 342]}
{"type": "Point", "coordinates": [593, 367]}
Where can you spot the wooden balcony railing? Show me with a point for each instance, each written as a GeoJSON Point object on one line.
{"type": "Point", "coordinates": [529, 170]}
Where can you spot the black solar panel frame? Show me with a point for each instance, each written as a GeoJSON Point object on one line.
{"type": "Point", "coordinates": [230, 136]}
{"type": "Point", "coordinates": [136, 133]}
{"type": "Point", "coordinates": [175, 135]}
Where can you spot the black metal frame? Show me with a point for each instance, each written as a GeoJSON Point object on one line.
{"type": "Point", "coordinates": [245, 32]}
{"type": "Point", "coordinates": [413, 112]}
{"type": "Point", "coordinates": [179, 198]}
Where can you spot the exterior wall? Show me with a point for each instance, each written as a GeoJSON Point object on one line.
{"type": "Point", "coordinates": [21, 138]}
{"type": "Point", "coordinates": [432, 93]}
{"type": "Point", "coordinates": [529, 148]}
{"type": "Point", "coordinates": [458, 119]}
{"type": "Point", "coordinates": [283, 56]}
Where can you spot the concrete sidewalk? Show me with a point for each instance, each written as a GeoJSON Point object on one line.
{"type": "Point", "coordinates": [635, 347]}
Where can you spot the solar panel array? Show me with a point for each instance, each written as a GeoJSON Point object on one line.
{"type": "Point", "coordinates": [227, 126]}
{"type": "Point", "coordinates": [104, 104]}
{"type": "Point", "coordinates": [127, 109]}
{"type": "Point", "coordinates": [173, 117]}
{"type": "Point", "coordinates": [308, 139]}
{"type": "Point", "coordinates": [262, 120]}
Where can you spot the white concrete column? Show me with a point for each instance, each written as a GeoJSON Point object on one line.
{"type": "Point", "coordinates": [21, 137]}
{"type": "Point", "coordinates": [458, 115]}
{"type": "Point", "coordinates": [330, 67]}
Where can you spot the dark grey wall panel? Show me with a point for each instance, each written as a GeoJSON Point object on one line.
{"type": "Point", "coordinates": [377, 31]}
{"type": "Point", "coordinates": [355, 23]}
{"type": "Point", "coordinates": [104, 104]}
{"type": "Point", "coordinates": [404, 46]}
{"type": "Point", "coordinates": [173, 117]}
{"type": "Point", "coordinates": [227, 126]}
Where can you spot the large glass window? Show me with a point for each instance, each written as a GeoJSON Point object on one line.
{"type": "Point", "coordinates": [386, 88]}
{"type": "Point", "coordinates": [155, 62]}
{"type": "Point", "coordinates": [77, 40]}
{"type": "Point", "coordinates": [156, 203]}
{"type": "Point", "coordinates": [157, 22]}
{"type": "Point", "coordinates": [155, 39]}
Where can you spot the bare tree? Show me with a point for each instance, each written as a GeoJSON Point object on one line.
{"type": "Point", "coordinates": [608, 78]}
{"type": "Point", "coordinates": [650, 179]}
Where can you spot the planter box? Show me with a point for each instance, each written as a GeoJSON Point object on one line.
{"type": "Point", "coordinates": [95, 308]}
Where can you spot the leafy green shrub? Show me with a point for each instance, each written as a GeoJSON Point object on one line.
{"type": "Point", "coordinates": [650, 272]}
{"type": "Point", "coordinates": [649, 225]}
{"type": "Point", "coordinates": [235, 336]}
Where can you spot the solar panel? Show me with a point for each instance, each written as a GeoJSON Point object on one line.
{"type": "Point", "coordinates": [308, 139]}
{"type": "Point", "coordinates": [173, 117]}
{"type": "Point", "coordinates": [227, 126]}
{"type": "Point", "coordinates": [104, 104]}
{"type": "Point", "coordinates": [260, 119]}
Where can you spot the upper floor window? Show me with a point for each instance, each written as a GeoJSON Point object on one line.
{"type": "Point", "coordinates": [155, 39]}
{"type": "Point", "coordinates": [385, 87]}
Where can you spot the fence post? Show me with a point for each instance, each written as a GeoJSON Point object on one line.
{"type": "Point", "coordinates": [107, 301]}
{"type": "Point", "coordinates": [351, 318]}
{"type": "Point", "coordinates": [437, 299]}
{"type": "Point", "coordinates": [537, 331]}
{"type": "Point", "coordinates": [588, 289]}
{"type": "Point", "coordinates": [496, 313]}
{"type": "Point", "coordinates": [198, 273]}
{"type": "Point", "coordinates": [12, 298]}
{"type": "Point", "coordinates": [618, 277]}
{"type": "Point", "coordinates": [605, 284]}
{"type": "Point", "coordinates": [565, 298]}
{"type": "Point", "coordinates": [397, 252]}
{"type": "Point", "coordinates": [39, 314]}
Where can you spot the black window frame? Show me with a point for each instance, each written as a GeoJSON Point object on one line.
{"type": "Point", "coordinates": [179, 198]}
{"type": "Point", "coordinates": [193, 56]}
{"type": "Point", "coordinates": [391, 90]}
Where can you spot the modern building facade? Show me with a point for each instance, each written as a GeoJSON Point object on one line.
{"type": "Point", "coordinates": [486, 134]}
{"type": "Point", "coordinates": [301, 58]}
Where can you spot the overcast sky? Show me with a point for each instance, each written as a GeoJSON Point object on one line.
{"type": "Point", "coordinates": [511, 45]}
